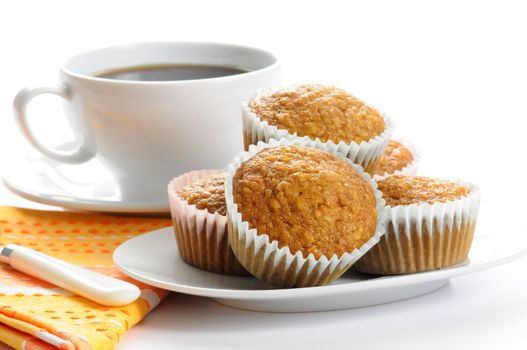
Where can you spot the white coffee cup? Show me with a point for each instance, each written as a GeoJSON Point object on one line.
{"type": "Point", "coordinates": [147, 132]}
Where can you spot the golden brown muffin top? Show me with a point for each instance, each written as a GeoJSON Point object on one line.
{"type": "Point", "coordinates": [207, 193]}
{"type": "Point", "coordinates": [406, 190]}
{"type": "Point", "coordinates": [319, 111]}
{"type": "Point", "coordinates": [306, 199]}
{"type": "Point", "coordinates": [395, 157]}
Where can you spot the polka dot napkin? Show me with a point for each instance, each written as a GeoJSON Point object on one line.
{"type": "Point", "coordinates": [37, 315]}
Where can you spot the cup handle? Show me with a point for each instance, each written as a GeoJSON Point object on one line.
{"type": "Point", "coordinates": [79, 155]}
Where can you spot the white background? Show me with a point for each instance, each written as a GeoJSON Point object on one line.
{"type": "Point", "coordinates": [452, 74]}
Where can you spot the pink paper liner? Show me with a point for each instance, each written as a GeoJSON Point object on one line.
{"type": "Point", "coordinates": [201, 237]}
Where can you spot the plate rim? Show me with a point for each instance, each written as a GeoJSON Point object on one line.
{"type": "Point", "coordinates": [333, 289]}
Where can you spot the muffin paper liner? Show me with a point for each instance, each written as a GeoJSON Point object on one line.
{"type": "Point", "coordinates": [201, 237]}
{"type": "Point", "coordinates": [423, 237]}
{"type": "Point", "coordinates": [278, 266]}
{"type": "Point", "coordinates": [365, 153]}
{"type": "Point", "coordinates": [409, 169]}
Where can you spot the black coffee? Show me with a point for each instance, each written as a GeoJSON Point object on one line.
{"type": "Point", "coordinates": [168, 72]}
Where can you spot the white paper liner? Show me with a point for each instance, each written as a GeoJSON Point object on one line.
{"type": "Point", "coordinates": [201, 237]}
{"type": "Point", "coordinates": [278, 266]}
{"type": "Point", "coordinates": [423, 237]}
{"type": "Point", "coordinates": [365, 153]}
{"type": "Point", "coordinates": [411, 168]}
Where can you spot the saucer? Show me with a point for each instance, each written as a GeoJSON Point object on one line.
{"type": "Point", "coordinates": [87, 186]}
{"type": "Point", "coordinates": [153, 258]}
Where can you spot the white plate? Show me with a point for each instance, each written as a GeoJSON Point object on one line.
{"type": "Point", "coordinates": [87, 186]}
{"type": "Point", "coordinates": [153, 258]}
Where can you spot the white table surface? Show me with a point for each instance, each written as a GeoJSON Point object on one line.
{"type": "Point", "coordinates": [453, 76]}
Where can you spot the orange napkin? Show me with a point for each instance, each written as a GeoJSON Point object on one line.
{"type": "Point", "coordinates": [37, 315]}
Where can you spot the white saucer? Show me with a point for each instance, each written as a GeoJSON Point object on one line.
{"type": "Point", "coordinates": [87, 186]}
{"type": "Point", "coordinates": [153, 258]}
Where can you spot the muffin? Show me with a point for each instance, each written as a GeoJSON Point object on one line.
{"type": "Point", "coordinates": [298, 215]}
{"type": "Point", "coordinates": [340, 121]}
{"type": "Point", "coordinates": [198, 208]}
{"type": "Point", "coordinates": [397, 159]}
{"type": "Point", "coordinates": [430, 225]}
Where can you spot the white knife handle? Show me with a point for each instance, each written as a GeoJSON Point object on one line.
{"type": "Point", "coordinates": [91, 285]}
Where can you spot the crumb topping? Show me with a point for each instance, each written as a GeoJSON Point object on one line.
{"type": "Point", "coordinates": [406, 190]}
{"type": "Point", "coordinates": [318, 111]}
{"type": "Point", "coordinates": [207, 193]}
{"type": "Point", "coordinates": [306, 199]}
{"type": "Point", "coordinates": [395, 157]}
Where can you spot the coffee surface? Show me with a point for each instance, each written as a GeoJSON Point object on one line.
{"type": "Point", "coordinates": [168, 72]}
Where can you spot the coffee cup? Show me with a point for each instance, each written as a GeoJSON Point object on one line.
{"type": "Point", "coordinates": [149, 130]}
